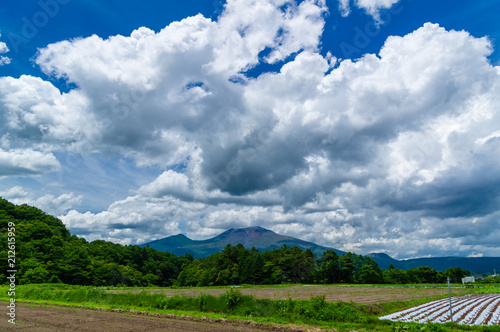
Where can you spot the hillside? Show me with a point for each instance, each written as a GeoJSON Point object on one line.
{"type": "Point", "coordinates": [260, 238]}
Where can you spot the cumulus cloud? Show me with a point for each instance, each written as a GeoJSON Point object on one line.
{"type": "Point", "coordinates": [344, 7]}
{"type": "Point", "coordinates": [134, 220]}
{"type": "Point", "coordinates": [378, 154]}
{"type": "Point", "coordinates": [35, 114]}
{"type": "Point", "coordinates": [371, 7]}
{"type": "Point", "coordinates": [169, 183]}
{"type": "Point", "coordinates": [48, 203]}
{"type": "Point", "coordinates": [4, 60]}
{"type": "Point", "coordinates": [26, 162]}
{"type": "Point", "coordinates": [4, 49]}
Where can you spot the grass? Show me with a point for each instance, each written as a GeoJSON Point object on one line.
{"type": "Point", "coordinates": [485, 289]}
{"type": "Point", "coordinates": [233, 305]}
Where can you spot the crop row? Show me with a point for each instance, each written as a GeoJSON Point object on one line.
{"type": "Point", "coordinates": [474, 309]}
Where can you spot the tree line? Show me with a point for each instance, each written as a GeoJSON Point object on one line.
{"type": "Point", "coordinates": [236, 265]}
{"type": "Point", "coordinates": [47, 252]}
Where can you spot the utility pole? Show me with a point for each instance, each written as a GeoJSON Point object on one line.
{"type": "Point", "coordinates": [449, 295]}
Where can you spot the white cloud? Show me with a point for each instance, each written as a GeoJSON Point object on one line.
{"type": "Point", "coordinates": [372, 7]}
{"type": "Point", "coordinates": [134, 220]}
{"type": "Point", "coordinates": [169, 183]}
{"type": "Point", "coordinates": [18, 162]}
{"type": "Point", "coordinates": [48, 203]}
{"type": "Point", "coordinates": [4, 60]}
{"type": "Point", "coordinates": [4, 49]}
{"type": "Point", "coordinates": [36, 114]}
{"type": "Point", "coordinates": [344, 7]}
{"type": "Point", "coordinates": [247, 28]}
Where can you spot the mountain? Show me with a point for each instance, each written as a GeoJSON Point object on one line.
{"type": "Point", "coordinates": [264, 239]}
{"type": "Point", "coordinates": [478, 265]}
{"type": "Point", "coordinates": [384, 260]}
{"type": "Point", "coordinates": [260, 238]}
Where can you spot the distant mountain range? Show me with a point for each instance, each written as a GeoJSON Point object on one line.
{"type": "Point", "coordinates": [476, 265]}
{"type": "Point", "coordinates": [263, 239]}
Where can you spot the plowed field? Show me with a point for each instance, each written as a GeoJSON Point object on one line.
{"type": "Point", "coordinates": [38, 318]}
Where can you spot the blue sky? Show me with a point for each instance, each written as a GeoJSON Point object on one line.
{"type": "Point", "coordinates": [198, 116]}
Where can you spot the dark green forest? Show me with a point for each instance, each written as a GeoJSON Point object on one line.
{"type": "Point", "coordinates": [46, 252]}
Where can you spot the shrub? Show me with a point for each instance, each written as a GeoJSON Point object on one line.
{"type": "Point", "coordinates": [233, 297]}
{"type": "Point", "coordinates": [202, 302]}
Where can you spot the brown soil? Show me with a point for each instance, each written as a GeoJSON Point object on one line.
{"type": "Point", "coordinates": [361, 295]}
{"type": "Point", "coordinates": [45, 318]}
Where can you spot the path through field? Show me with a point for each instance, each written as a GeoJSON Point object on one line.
{"type": "Point", "coordinates": [473, 309]}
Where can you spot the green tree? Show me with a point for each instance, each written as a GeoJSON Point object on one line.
{"type": "Point", "coordinates": [456, 274]}
{"type": "Point", "coordinates": [395, 276]}
{"type": "Point", "coordinates": [369, 275]}
{"type": "Point", "coordinates": [347, 267]}
{"type": "Point", "coordinates": [37, 275]}
{"type": "Point", "coordinates": [422, 274]}
{"type": "Point", "coordinates": [328, 267]}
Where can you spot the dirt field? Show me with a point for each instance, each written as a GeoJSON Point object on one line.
{"type": "Point", "coordinates": [38, 318]}
{"type": "Point", "coordinates": [362, 295]}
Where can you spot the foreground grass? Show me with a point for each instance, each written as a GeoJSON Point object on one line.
{"type": "Point", "coordinates": [233, 305]}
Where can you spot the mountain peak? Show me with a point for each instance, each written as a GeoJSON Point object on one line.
{"type": "Point", "coordinates": [180, 236]}
{"type": "Point", "coordinates": [245, 236]}
{"type": "Point", "coordinates": [256, 229]}
{"type": "Point", "coordinates": [379, 255]}
{"type": "Point", "coordinates": [255, 236]}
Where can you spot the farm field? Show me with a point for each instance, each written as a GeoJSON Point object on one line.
{"type": "Point", "coordinates": [49, 307]}
{"type": "Point", "coordinates": [344, 293]}
{"type": "Point", "coordinates": [472, 309]}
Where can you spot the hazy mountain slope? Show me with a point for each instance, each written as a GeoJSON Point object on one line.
{"type": "Point", "coordinates": [472, 264]}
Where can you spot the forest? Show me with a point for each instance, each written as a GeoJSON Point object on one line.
{"type": "Point", "coordinates": [45, 251]}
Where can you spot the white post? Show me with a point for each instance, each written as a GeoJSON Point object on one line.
{"type": "Point", "coordinates": [449, 295]}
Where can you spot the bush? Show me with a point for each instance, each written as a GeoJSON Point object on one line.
{"type": "Point", "coordinates": [233, 297]}
{"type": "Point", "coordinates": [286, 308]}
{"type": "Point", "coordinates": [202, 302]}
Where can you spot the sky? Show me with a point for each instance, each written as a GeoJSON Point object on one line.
{"type": "Point", "coordinates": [362, 125]}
